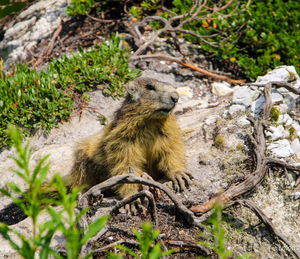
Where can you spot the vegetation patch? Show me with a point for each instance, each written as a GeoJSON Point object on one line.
{"type": "Point", "coordinates": [33, 100]}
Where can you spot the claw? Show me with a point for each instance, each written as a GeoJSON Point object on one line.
{"type": "Point", "coordinates": [134, 208]}
{"type": "Point", "coordinates": [181, 181]}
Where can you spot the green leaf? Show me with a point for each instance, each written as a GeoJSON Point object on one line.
{"type": "Point", "coordinates": [94, 229]}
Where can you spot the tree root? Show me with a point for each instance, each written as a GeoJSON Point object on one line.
{"type": "Point", "coordinates": [262, 216]}
{"type": "Point", "coordinates": [262, 164]}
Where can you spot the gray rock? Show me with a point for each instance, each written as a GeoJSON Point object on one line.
{"type": "Point", "coordinates": [34, 24]}
{"type": "Point", "coordinates": [281, 148]}
{"type": "Point", "coordinates": [221, 88]}
{"type": "Point", "coordinates": [295, 146]}
{"type": "Point", "coordinates": [277, 132]}
{"type": "Point", "coordinates": [244, 96]}
{"type": "Point", "coordinates": [276, 97]}
{"type": "Point", "coordinates": [235, 109]}
{"type": "Point", "coordinates": [257, 106]}
{"type": "Point", "coordinates": [281, 73]}
{"type": "Point", "coordinates": [243, 121]}
{"type": "Point", "coordinates": [285, 119]}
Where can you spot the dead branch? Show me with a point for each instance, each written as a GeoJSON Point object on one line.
{"type": "Point", "coordinates": [101, 20]}
{"type": "Point", "coordinates": [263, 217]}
{"type": "Point", "coordinates": [130, 178]}
{"type": "Point", "coordinates": [176, 23]}
{"type": "Point", "coordinates": [119, 242]}
{"type": "Point", "coordinates": [88, 247]}
{"type": "Point", "coordinates": [179, 61]}
{"type": "Point", "coordinates": [262, 162]}
{"type": "Point", "coordinates": [204, 250]}
{"type": "Point", "coordinates": [135, 197]}
{"type": "Point", "coordinates": [50, 46]}
{"type": "Point", "coordinates": [286, 85]}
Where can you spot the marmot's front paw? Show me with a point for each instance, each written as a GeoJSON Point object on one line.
{"type": "Point", "coordinates": [181, 180]}
{"type": "Point", "coordinates": [134, 208]}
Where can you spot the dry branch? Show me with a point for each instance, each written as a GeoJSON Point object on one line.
{"type": "Point", "coordinates": [176, 22]}
{"type": "Point", "coordinates": [50, 46]}
{"type": "Point", "coordinates": [130, 178]}
{"type": "Point", "coordinates": [259, 213]}
{"type": "Point", "coordinates": [180, 62]}
{"type": "Point", "coordinates": [286, 85]}
{"type": "Point", "coordinates": [204, 250]}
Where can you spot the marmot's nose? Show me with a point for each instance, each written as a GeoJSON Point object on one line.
{"type": "Point", "coordinates": [174, 97]}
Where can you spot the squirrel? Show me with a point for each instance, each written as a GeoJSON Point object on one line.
{"type": "Point", "coordinates": [143, 135]}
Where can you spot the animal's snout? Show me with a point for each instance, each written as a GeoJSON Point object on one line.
{"type": "Point", "coordinates": [174, 97]}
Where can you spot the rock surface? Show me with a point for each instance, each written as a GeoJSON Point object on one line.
{"type": "Point", "coordinates": [31, 26]}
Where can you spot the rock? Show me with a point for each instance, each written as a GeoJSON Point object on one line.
{"type": "Point", "coordinates": [236, 108]}
{"type": "Point", "coordinates": [32, 25]}
{"type": "Point", "coordinates": [221, 88]}
{"type": "Point", "coordinates": [281, 148]}
{"type": "Point", "coordinates": [276, 97]}
{"type": "Point", "coordinates": [257, 106]}
{"type": "Point", "coordinates": [285, 119]}
{"type": "Point", "coordinates": [185, 92]}
{"type": "Point", "coordinates": [281, 74]}
{"type": "Point", "coordinates": [278, 132]}
{"type": "Point", "coordinates": [295, 146]}
{"type": "Point", "coordinates": [296, 126]}
{"type": "Point", "coordinates": [243, 96]}
{"type": "Point", "coordinates": [243, 121]}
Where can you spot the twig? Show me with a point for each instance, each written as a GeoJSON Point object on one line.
{"type": "Point", "coordinates": [259, 213]}
{"type": "Point", "coordinates": [278, 162]}
{"type": "Point", "coordinates": [286, 85]}
{"type": "Point", "coordinates": [101, 20]}
{"type": "Point", "coordinates": [119, 242]}
{"type": "Point", "coordinates": [176, 23]}
{"type": "Point", "coordinates": [129, 178]}
{"type": "Point", "coordinates": [50, 46]}
{"type": "Point", "coordinates": [189, 245]}
{"type": "Point", "coordinates": [88, 247]}
{"type": "Point", "coordinates": [179, 61]}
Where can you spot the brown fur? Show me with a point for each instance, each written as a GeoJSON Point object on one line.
{"type": "Point", "coordinates": [143, 135]}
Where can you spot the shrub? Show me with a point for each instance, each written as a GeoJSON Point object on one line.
{"type": "Point", "coordinates": [258, 40]}
{"type": "Point", "coordinates": [33, 100]}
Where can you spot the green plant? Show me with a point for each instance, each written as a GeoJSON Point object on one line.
{"type": "Point", "coordinates": [33, 100]}
{"type": "Point", "coordinates": [147, 247]}
{"type": "Point", "coordinates": [34, 199]}
{"type": "Point", "coordinates": [219, 142]}
{"type": "Point", "coordinates": [274, 114]}
{"type": "Point", "coordinates": [258, 40]}
{"type": "Point", "coordinates": [80, 7]}
{"type": "Point", "coordinates": [217, 236]}
{"type": "Point", "coordinates": [8, 7]}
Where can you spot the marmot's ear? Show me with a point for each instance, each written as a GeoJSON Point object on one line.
{"type": "Point", "coordinates": [132, 90]}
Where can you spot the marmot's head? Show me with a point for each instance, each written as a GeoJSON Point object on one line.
{"type": "Point", "coordinates": [158, 98]}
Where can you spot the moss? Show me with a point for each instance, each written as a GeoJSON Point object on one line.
{"type": "Point", "coordinates": [219, 142]}
{"type": "Point", "coordinates": [274, 114]}
{"type": "Point", "coordinates": [219, 122]}
{"type": "Point", "coordinates": [293, 133]}
{"type": "Point", "coordinates": [239, 147]}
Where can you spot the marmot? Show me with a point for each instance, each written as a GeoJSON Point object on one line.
{"type": "Point", "coordinates": [143, 135]}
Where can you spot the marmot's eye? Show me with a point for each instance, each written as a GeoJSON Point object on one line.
{"type": "Point", "coordinates": [150, 87]}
